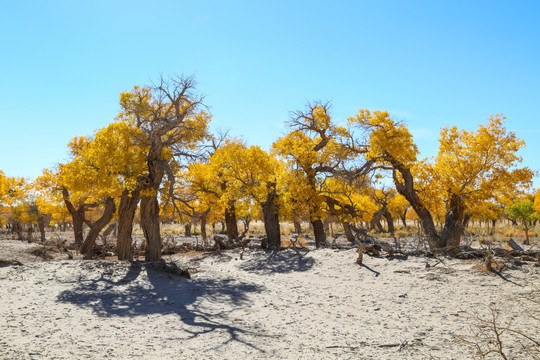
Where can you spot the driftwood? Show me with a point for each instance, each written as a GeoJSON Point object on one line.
{"type": "Point", "coordinates": [10, 262]}
{"type": "Point", "coordinates": [222, 242]}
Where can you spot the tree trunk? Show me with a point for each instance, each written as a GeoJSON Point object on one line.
{"type": "Point", "coordinates": [77, 216]}
{"type": "Point", "coordinates": [231, 222]}
{"type": "Point", "coordinates": [126, 213]}
{"type": "Point", "coordinates": [493, 223]}
{"type": "Point", "coordinates": [187, 229]}
{"type": "Point", "coordinates": [30, 233]}
{"type": "Point", "coordinates": [17, 227]}
{"type": "Point", "coordinates": [271, 219]}
{"type": "Point", "coordinates": [318, 231]}
{"type": "Point", "coordinates": [375, 222]}
{"type": "Point", "coordinates": [404, 218]}
{"type": "Point", "coordinates": [203, 230]}
{"type": "Point", "coordinates": [41, 226]}
{"type": "Point", "coordinates": [453, 224]}
{"type": "Point", "coordinates": [348, 232]}
{"type": "Point", "coordinates": [150, 205]}
{"type": "Point", "coordinates": [405, 186]}
{"type": "Point", "coordinates": [297, 227]}
{"type": "Point", "coordinates": [390, 222]}
{"type": "Point", "coordinates": [150, 227]}
{"type": "Point", "coordinates": [95, 228]}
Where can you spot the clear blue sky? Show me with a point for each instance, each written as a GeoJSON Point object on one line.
{"type": "Point", "coordinates": [430, 63]}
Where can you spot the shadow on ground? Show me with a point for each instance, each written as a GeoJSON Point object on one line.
{"type": "Point", "coordinates": [276, 261]}
{"type": "Point", "coordinates": [165, 294]}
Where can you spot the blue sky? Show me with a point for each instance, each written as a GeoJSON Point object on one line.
{"type": "Point", "coordinates": [430, 63]}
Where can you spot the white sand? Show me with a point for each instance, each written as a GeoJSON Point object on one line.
{"type": "Point", "coordinates": [314, 305]}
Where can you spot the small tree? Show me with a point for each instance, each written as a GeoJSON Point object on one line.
{"type": "Point", "coordinates": [523, 211]}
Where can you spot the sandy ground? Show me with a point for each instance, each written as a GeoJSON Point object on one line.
{"type": "Point", "coordinates": [257, 305]}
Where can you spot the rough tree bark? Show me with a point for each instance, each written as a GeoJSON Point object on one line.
{"type": "Point", "coordinates": [348, 232]}
{"type": "Point", "coordinates": [77, 216]}
{"type": "Point", "coordinates": [450, 235]}
{"type": "Point", "coordinates": [231, 222]}
{"type": "Point", "coordinates": [187, 229]}
{"type": "Point", "coordinates": [389, 221]}
{"type": "Point", "coordinates": [297, 227]}
{"type": "Point", "coordinates": [126, 213]}
{"type": "Point", "coordinates": [318, 231]}
{"type": "Point", "coordinates": [97, 226]}
{"type": "Point", "coordinates": [271, 218]}
{"type": "Point", "coordinates": [149, 208]}
{"type": "Point", "coordinates": [404, 218]}
{"type": "Point", "coordinates": [375, 222]}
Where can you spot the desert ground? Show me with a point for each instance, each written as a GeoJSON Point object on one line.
{"type": "Point", "coordinates": [257, 304]}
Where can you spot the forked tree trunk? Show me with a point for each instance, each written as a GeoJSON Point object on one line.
{"type": "Point", "coordinates": [405, 186]}
{"type": "Point", "coordinates": [404, 218]}
{"type": "Point", "coordinates": [231, 222]}
{"type": "Point", "coordinates": [348, 232]}
{"type": "Point", "coordinates": [126, 214]}
{"type": "Point", "coordinates": [271, 219]}
{"type": "Point", "coordinates": [375, 222]}
{"type": "Point", "coordinates": [318, 231]}
{"type": "Point", "coordinates": [96, 227]}
{"type": "Point", "coordinates": [77, 216]}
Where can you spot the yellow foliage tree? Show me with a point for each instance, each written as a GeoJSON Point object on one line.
{"type": "Point", "coordinates": [313, 151]}
{"type": "Point", "coordinates": [471, 167]}
{"type": "Point", "coordinates": [169, 116]}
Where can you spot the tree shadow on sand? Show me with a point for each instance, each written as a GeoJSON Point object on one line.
{"type": "Point", "coordinates": [167, 294]}
{"type": "Point", "coordinates": [279, 261]}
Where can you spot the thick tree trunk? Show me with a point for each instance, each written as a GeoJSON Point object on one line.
{"type": "Point", "coordinates": [126, 213]}
{"type": "Point", "coordinates": [297, 227]}
{"type": "Point", "coordinates": [150, 226]}
{"type": "Point", "coordinates": [390, 222]}
{"type": "Point", "coordinates": [231, 222]}
{"type": "Point", "coordinates": [375, 222]}
{"type": "Point", "coordinates": [149, 208]}
{"type": "Point", "coordinates": [318, 231]}
{"type": "Point", "coordinates": [405, 186]}
{"type": "Point", "coordinates": [187, 229]}
{"type": "Point", "coordinates": [348, 232]}
{"type": "Point", "coordinates": [493, 223]}
{"type": "Point", "coordinates": [96, 227]}
{"type": "Point", "coordinates": [271, 219]}
{"type": "Point", "coordinates": [453, 224]}
{"type": "Point", "coordinates": [17, 228]}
